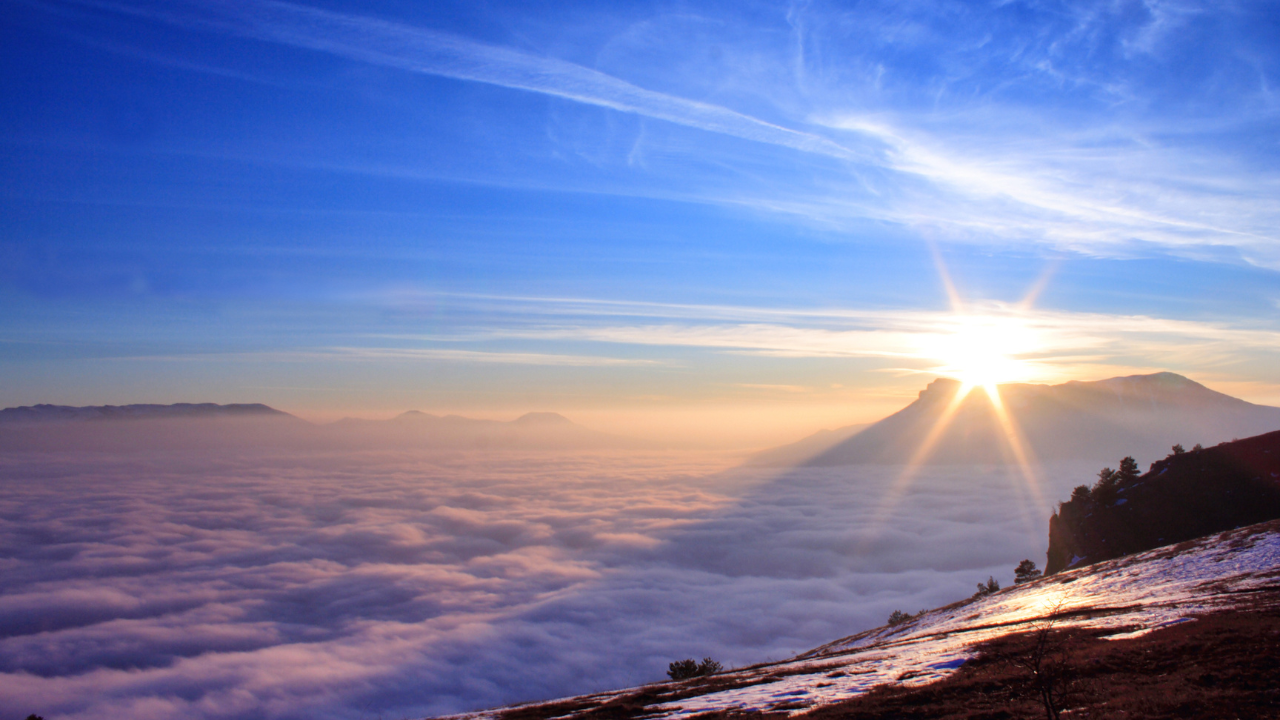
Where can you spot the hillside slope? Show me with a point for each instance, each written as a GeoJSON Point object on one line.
{"type": "Point", "coordinates": [803, 450]}
{"type": "Point", "coordinates": [1122, 600]}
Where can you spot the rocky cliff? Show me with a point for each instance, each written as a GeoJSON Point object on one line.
{"type": "Point", "coordinates": [1184, 496]}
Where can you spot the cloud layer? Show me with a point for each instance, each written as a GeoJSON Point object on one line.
{"type": "Point", "coordinates": [351, 586]}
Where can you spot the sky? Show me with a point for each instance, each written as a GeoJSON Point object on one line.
{"type": "Point", "coordinates": [740, 220]}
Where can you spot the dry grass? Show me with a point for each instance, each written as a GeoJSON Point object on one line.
{"type": "Point", "coordinates": [1225, 665]}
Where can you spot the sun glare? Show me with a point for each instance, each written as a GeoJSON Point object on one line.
{"type": "Point", "coordinates": [984, 351]}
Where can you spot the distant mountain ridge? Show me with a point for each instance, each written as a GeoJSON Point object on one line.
{"type": "Point", "coordinates": [1140, 415]}
{"type": "Point", "coordinates": [186, 425]}
{"type": "Point", "coordinates": [531, 419]}
{"type": "Point", "coordinates": [46, 413]}
{"type": "Point", "coordinates": [531, 430]}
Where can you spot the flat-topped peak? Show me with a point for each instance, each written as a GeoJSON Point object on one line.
{"type": "Point", "coordinates": [415, 415]}
{"type": "Point", "coordinates": [941, 386]}
{"type": "Point", "coordinates": [542, 418]}
{"type": "Point", "coordinates": [46, 413]}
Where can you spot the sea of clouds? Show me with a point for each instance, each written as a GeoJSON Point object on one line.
{"type": "Point", "coordinates": [393, 584]}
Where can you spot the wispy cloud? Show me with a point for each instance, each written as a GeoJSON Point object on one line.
{"type": "Point", "coordinates": [1086, 193]}
{"type": "Point", "coordinates": [1051, 345]}
{"type": "Point", "coordinates": [976, 167]}
{"type": "Point", "coordinates": [391, 354]}
{"type": "Point", "coordinates": [774, 388]}
{"type": "Point", "coordinates": [422, 50]}
{"type": "Point", "coordinates": [1057, 342]}
{"type": "Point", "coordinates": [512, 358]}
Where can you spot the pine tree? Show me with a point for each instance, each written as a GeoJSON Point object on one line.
{"type": "Point", "coordinates": [682, 669]}
{"type": "Point", "coordinates": [1025, 572]}
{"type": "Point", "coordinates": [1128, 471]}
{"type": "Point", "coordinates": [1104, 491]}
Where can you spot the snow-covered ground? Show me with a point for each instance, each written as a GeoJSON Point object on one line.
{"type": "Point", "coordinates": [1131, 595]}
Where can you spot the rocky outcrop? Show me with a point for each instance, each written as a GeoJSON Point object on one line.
{"type": "Point", "coordinates": [1184, 496]}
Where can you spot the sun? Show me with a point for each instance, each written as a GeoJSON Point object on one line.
{"type": "Point", "coordinates": [983, 351]}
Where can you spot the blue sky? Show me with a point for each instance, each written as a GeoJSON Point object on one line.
{"type": "Point", "coordinates": [681, 213]}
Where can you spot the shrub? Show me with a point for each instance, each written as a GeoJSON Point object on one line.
{"type": "Point", "coordinates": [683, 669]}
{"type": "Point", "coordinates": [898, 617]}
{"type": "Point", "coordinates": [690, 668]}
{"type": "Point", "coordinates": [1178, 449]}
{"type": "Point", "coordinates": [987, 588]}
{"type": "Point", "coordinates": [709, 667]}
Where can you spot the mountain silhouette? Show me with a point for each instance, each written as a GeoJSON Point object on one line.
{"type": "Point", "coordinates": [194, 425]}
{"type": "Point", "coordinates": [1139, 415]}
{"type": "Point", "coordinates": [145, 427]}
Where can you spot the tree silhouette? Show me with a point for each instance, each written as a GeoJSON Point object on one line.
{"type": "Point", "coordinates": [709, 667]}
{"type": "Point", "coordinates": [1025, 572]}
{"type": "Point", "coordinates": [689, 668]}
{"type": "Point", "coordinates": [1128, 471]}
{"type": "Point", "coordinates": [987, 588]}
{"type": "Point", "coordinates": [683, 669]}
{"type": "Point", "coordinates": [1105, 489]}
